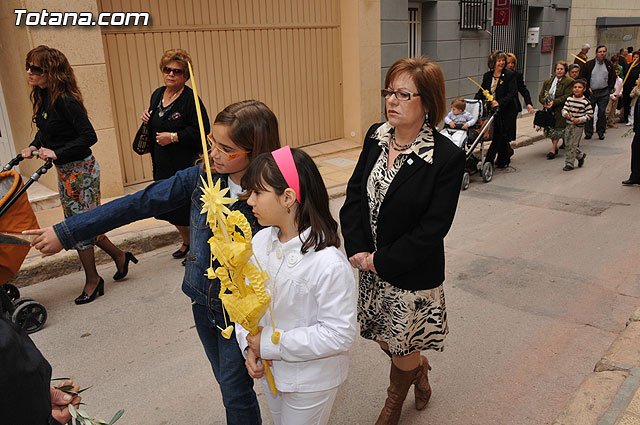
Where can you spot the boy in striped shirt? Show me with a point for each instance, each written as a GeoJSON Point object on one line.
{"type": "Point", "coordinates": [577, 110]}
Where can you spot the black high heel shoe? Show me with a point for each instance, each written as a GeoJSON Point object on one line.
{"type": "Point", "coordinates": [125, 269]}
{"type": "Point", "coordinates": [180, 253]}
{"type": "Point", "coordinates": [85, 299]}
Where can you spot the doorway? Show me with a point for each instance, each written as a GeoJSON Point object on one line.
{"type": "Point", "coordinates": [7, 150]}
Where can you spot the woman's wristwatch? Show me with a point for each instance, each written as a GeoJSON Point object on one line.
{"type": "Point", "coordinates": [174, 137]}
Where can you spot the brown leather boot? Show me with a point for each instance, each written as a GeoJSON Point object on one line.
{"type": "Point", "coordinates": [422, 389]}
{"type": "Point", "coordinates": [400, 382]}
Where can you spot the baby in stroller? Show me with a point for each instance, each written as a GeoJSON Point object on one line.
{"type": "Point", "coordinates": [458, 121]}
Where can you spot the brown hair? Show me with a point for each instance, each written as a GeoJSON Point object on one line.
{"type": "Point", "coordinates": [177, 55]}
{"type": "Point", "coordinates": [512, 56]}
{"type": "Point", "coordinates": [60, 77]}
{"type": "Point", "coordinates": [313, 211]}
{"type": "Point", "coordinates": [459, 103]}
{"type": "Point", "coordinates": [252, 126]}
{"type": "Point", "coordinates": [493, 58]}
{"type": "Point", "coordinates": [564, 64]}
{"type": "Point", "coordinates": [429, 80]}
{"type": "Point", "coordinates": [580, 81]}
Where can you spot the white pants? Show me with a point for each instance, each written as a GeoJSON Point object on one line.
{"type": "Point", "coordinates": [300, 408]}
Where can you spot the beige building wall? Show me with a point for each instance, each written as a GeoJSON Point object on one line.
{"type": "Point", "coordinates": [361, 58]}
{"type": "Point", "coordinates": [83, 47]}
{"type": "Point", "coordinates": [359, 39]}
{"type": "Point", "coordinates": [583, 28]}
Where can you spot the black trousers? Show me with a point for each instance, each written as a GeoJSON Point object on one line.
{"type": "Point", "coordinates": [500, 143]}
{"type": "Point", "coordinates": [626, 105]}
{"type": "Point", "coordinates": [501, 147]}
{"type": "Point", "coordinates": [599, 97]}
{"type": "Point", "coordinates": [635, 158]}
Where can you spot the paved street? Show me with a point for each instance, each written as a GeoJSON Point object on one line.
{"type": "Point", "coordinates": [542, 275]}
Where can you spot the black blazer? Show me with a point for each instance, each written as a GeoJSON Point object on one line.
{"type": "Point", "coordinates": [522, 89]}
{"type": "Point", "coordinates": [65, 129]}
{"type": "Point", "coordinates": [506, 90]}
{"type": "Point", "coordinates": [414, 217]}
{"type": "Point", "coordinates": [506, 94]}
{"type": "Point", "coordinates": [182, 118]}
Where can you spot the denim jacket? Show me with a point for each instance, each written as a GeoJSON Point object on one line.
{"type": "Point", "coordinates": [158, 198]}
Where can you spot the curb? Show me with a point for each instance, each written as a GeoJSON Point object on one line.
{"type": "Point", "coordinates": [37, 269]}
{"type": "Point", "coordinates": [602, 397]}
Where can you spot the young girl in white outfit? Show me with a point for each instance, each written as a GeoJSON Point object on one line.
{"type": "Point", "coordinates": [312, 288]}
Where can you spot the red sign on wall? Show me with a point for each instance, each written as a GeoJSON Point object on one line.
{"type": "Point", "coordinates": [501, 9]}
{"type": "Point", "coordinates": [547, 44]}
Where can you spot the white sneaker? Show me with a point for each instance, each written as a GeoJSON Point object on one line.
{"type": "Point", "coordinates": [629, 123]}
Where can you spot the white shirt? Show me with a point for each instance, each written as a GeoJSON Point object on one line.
{"type": "Point", "coordinates": [616, 89]}
{"type": "Point", "coordinates": [234, 189]}
{"type": "Point", "coordinates": [313, 298]}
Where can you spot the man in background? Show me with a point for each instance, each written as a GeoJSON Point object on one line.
{"type": "Point", "coordinates": [601, 78]}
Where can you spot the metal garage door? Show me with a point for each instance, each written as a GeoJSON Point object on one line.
{"type": "Point", "coordinates": [285, 53]}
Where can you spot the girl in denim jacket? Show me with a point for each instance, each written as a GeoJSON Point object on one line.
{"type": "Point", "coordinates": [240, 133]}
{"type": "Point", "coordinates": [312, 287]}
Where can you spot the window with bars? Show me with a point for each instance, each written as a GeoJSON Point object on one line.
{"type": "Point", "coordinates": [473, 14]}
{"type": "Point", "coordinates": [415, 32]}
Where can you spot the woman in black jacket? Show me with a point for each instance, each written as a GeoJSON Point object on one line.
{"type": "Point", "coordinates": [502, 84]}
{"type": "Point", "coordinates": [399, 206]}
{"type": "Point", "coordinates": [634, 177]}
{"type": "Point", "coordinates": [173, 122]}
{"type": "Point", "coordinates": [65, 135]}
{"type": "Point", "coordinates": [512, 61]}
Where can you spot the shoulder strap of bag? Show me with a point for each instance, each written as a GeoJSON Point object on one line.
{"type": "Point", "coordinates": [155, 99]}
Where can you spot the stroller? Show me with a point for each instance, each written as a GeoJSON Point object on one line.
{"type": "Point", "coordinates": [469, 139]}
{"type": "Point", "coordinates": [16, 215]}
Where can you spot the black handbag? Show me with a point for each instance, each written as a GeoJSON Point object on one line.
{"type": "Point", "coordinates": [141, 143]}
{"type": "Point", "coordinates": [543, 118]}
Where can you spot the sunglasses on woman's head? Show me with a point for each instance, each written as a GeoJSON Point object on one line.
{"type": "Point", "coordinates": [35, 70]}
{"type": "Point", "coordinates": [176, 71]}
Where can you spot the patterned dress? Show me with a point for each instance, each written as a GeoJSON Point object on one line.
{"type": "Point", "coordinates": [407, 321]}
{"type": "Point", "coordinates": [79, 189]}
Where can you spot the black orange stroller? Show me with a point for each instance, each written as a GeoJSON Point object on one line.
{"type": "Point", "coordinates": [16, 215]}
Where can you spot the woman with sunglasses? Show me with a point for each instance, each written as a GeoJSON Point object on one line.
{"type": "Point", "coordinates": [400, 203]}
{"type": "Point", "coordinates": [173, 124]}
{"type": "Point", "coordinates": [65, 135]}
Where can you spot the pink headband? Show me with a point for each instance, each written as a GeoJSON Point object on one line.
{"type": "Point", "coordinates": [286, 165]}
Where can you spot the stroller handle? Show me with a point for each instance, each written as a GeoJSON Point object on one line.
{"type": "Point", "coordinates": [34, 177]}
{"type": "Point", "coordinates": [18, 159]}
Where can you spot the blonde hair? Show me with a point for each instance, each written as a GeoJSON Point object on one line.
{"type": "Point", "coordinates": [177, 55]}
{"type": "Point", "coordinates": [512, 56]}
